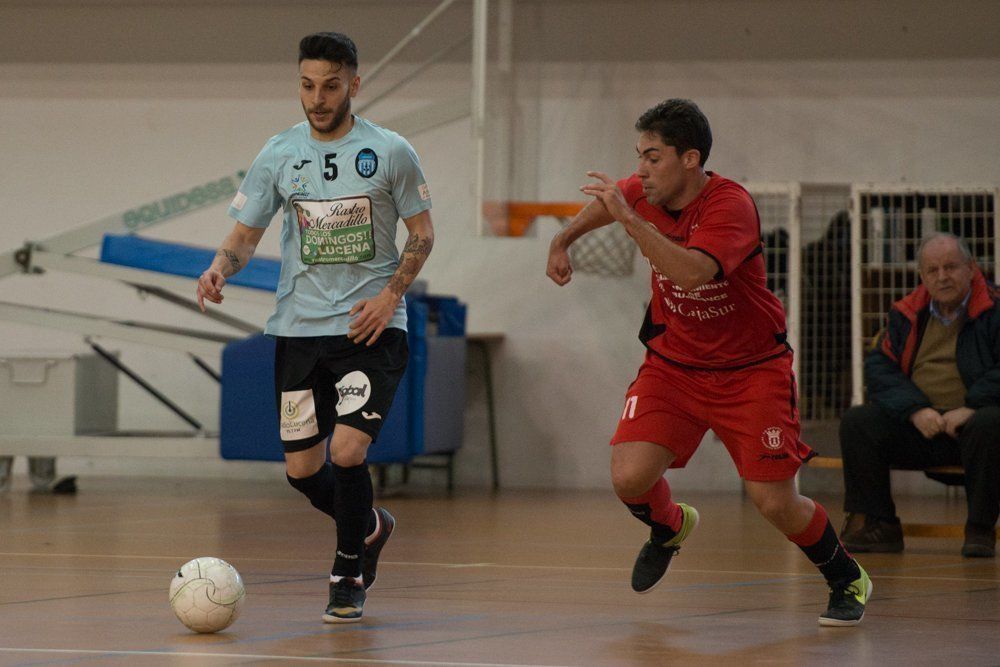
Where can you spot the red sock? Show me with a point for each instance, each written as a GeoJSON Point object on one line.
{"type": "Point", "coordinates": [814, 531]}
{"type": "Point", "coordinates": [655, 508]}
{"type": "Point", "coordinates": [820, 544]}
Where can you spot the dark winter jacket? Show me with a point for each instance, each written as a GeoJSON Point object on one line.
{"type": "Point", "coordinates": [889, 364]}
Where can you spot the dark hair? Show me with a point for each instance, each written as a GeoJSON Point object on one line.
{"type": "Point", "coordinates": [332, 46]}
{"type": "Point", "coordinates": [679, 123]}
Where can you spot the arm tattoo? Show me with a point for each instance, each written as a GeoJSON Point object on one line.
{"type": "Point", "coordinates": [234, 260]}
{"type": "Point", "coordinates": [414, 255]}
{"type": "Point", "coordinates": [418, 246]}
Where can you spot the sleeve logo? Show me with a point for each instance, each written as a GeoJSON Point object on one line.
{"type": "Point", "coordinates": [425, 192]}
{"type": "Point", "coordinates": [239, 201]}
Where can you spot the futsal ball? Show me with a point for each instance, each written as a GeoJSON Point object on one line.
{"type": "Point", "coordinates": [206, 594]}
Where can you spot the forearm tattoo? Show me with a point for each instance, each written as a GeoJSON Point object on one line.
{"type": "Point", "coordinates": [234, 260]}
{"type": "Point", "coordinates": [414, 255]}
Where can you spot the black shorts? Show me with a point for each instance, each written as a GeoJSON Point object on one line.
{"type": "Point", "coordinates": [321, 381]}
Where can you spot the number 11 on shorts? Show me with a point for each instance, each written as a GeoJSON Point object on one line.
{"type": "Point", "coordinates": [630, 403]}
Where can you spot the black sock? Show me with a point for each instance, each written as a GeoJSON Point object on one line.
{"type": "Point", "coordinates": [318, 488]}
{"type": "Point", "coordinates": [660, 533]}
{"type": "Point", "coordinates": [832, 559]}
{"type": "Point", "coordinates": [353, 502]}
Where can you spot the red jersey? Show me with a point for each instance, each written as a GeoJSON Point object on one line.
{"type": "Point", "coordinates": [733, 320]}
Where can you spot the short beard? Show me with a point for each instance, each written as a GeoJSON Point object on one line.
{"type": "Point", "coordinates": [338, 118]}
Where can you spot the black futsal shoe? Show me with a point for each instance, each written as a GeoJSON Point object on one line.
{"type": "Point", "coordinates": [347, 600]}
{"type": "Point", "coordinates": [383, 530]}
{"type": "Point", "coordinates": [847, 602]}
{"type": "Point", "coordinates": [654, 559]}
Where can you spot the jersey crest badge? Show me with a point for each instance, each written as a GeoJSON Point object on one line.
{"type": "Point", "coordinates": [366, 163]}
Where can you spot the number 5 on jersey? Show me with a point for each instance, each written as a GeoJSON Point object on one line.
{"type": "Point", "coordinates": [630, 403]}
{"type": "Point", "coordinates": [330, 167]}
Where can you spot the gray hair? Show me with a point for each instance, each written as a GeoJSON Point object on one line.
{"type": "Point", "coordinates": [963, 247]}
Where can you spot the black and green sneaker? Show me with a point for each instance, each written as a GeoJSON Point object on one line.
{"type": "Point", "coordinates": [347, 600]}
{"type": "Point", "coordinates": [385, 523]}
{"type": "Point", "coordinates": [847, 602]}
{"type": "Point", "coordinates": [654, 559]}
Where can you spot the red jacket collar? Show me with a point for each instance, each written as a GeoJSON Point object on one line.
{"type": "Point", "coordinates": [919, 299]}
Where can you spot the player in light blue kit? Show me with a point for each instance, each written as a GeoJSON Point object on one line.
{"type": "Point", "coordinates": [340, 320]}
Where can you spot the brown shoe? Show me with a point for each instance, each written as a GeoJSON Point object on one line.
{"type": "Point", "coordinates": [980, 542]}
{"type": "Point", "coordinates": [869, 534]}
{"type": "Point", "coordinates": [853, 522]}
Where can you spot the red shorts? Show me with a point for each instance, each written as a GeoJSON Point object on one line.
{"type": "Point", "coordinates": [752, 410]}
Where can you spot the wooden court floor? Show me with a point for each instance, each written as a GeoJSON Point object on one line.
{"type": "Point", "coordinates": [516, 579]}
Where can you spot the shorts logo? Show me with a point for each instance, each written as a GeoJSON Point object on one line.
{"type": "Point", "coordinates": [772, 437]}
{"type": "Point", "coordinates": [297, 418]}
{"type": "Point", "coordinates": [366, 163]}
{"type": "Point", "coordinates": [354, 390]}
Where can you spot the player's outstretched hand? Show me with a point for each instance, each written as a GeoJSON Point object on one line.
{"type": "Point", "coordinates": [371, 317]}
{"type": "Point", "coordinates": [608, 193]}
{"type": "Point", "coordinates": [210, 286]}
{"type": "Point", "coordinates": [559, 268]}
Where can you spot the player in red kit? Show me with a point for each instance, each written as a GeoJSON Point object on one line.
{"type": "Point", "coordinates": [717, 355]}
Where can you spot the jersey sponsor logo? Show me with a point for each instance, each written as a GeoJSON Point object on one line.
{"type": "Point", "coordinates": [366, 163]}
{"type": "Point", "coordinates": [425, 192]}
{"type": "Point", "coordinates": [298, 166]}
{"type": "Point", "coordinates": [772, 437]}
{"type": "Point", "coordinates": [335, 231]}
{"type": "Point", "coordinates": [297, 418]}
{"type": "Point", "coordinates": [354, 390]}
{"type": "Point", "coordinates": [680, 301]}
{"type": "Point", "coordinates": [700, 314]}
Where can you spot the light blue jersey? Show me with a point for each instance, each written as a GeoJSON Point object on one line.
{"type": "Point", "coordinates": [342, 201]}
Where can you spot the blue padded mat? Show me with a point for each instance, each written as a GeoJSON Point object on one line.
{"type": "Point", "coordinates": [184, 260]}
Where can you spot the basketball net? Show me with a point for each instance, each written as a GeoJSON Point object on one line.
{"type": "Point", "coordinates": [607, 251]}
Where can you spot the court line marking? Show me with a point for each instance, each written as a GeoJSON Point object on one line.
{"type": "Point", "coordinates": [259, 656]}
{"type": "Point", "coordinates": [584, 568]}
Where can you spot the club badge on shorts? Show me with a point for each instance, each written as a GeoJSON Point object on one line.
{"type": "Point", "coordinates": [772, 437]}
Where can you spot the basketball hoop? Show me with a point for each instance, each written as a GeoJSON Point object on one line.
{"type": "Point", "coordinates": [607, 251]}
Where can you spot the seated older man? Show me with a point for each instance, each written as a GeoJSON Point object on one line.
{"type": "Point", "coordinates": [933, 379]}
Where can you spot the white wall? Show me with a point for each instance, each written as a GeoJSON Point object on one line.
{"type": "Point", "coordinates": [81, 141]}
